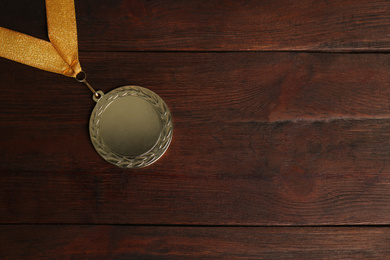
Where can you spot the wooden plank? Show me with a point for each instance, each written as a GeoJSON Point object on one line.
{"type": "Point", "coordinates": [230, 161]}
{"type": "Point", "coordinates": [212, 86]}
{"type": "Point", "coordinates": [231, 173]}
{"type": "Point", "coordinates": [331, 25]}
{"type": "Point", "coordinates": [129, 242]}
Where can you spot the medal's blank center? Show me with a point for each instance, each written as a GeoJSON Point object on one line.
{"type": "Point", "coordinates": [130, 126]}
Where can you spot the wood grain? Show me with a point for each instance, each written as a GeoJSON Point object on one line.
{"type": "Point", "coordinates": [242, 152]}
{"type": "Point", "coordinates": [218, 87]}
{"type": "Point", "coordinates": [262, 140]}
{"type": "Point", "coordinates": [232, 173]}
{"type": "Point", "coordinates": [217, 25]}
{"type": "Point", "coordinates": [128, 242]}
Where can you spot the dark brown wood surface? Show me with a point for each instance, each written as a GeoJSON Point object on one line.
{"type": "Point", "coordinates": [140, 242]}
{"type": "Point", "coordinates": [296, 138]}
{"type": "Point", "coordinates": [222, 25]}
{"type": "Point", "coordinates": [274, 140]}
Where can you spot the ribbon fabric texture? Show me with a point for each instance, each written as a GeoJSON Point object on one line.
{"type": "Point", "coordinates": [60, 55]}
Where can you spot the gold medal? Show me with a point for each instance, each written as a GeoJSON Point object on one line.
{"type": "Point", "coordinates": [130, 126]}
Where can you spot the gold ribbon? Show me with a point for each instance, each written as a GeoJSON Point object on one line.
{"type": "Point", "coordinates": [60, 55]}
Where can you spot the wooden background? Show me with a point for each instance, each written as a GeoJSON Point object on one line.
{"type": "Point", "coordinates": [281, 140]}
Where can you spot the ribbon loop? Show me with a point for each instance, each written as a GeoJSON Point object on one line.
{"type": "Point", "coordinates": [60, 55]}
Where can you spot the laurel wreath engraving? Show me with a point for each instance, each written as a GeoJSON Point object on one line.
{"type": "Point", "coordinates": [130, 161]}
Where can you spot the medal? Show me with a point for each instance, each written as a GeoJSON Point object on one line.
{"type": "Point", "coordinates": [130, 126]}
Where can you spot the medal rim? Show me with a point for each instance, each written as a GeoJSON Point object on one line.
{"type": "Point", "coordinates": [146, 158]}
